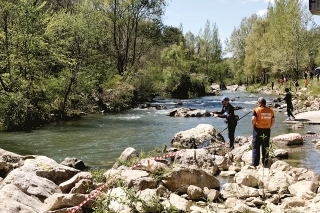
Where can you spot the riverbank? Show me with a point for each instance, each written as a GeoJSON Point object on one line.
{"type": "Point", "coordinates": [304, 99]}
{"type": "Point", "coordinates": [142, 130]}
{"type": "Point", "coordinates": [38, 184]}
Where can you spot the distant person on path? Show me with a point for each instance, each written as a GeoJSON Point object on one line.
{"type": "Point", "coordinates": [311, 75]}
{"type": "Point", "coordinates": [227, 112]}
{"type": "Point", "coordinates": [262, 120]}
{"type": "Point", "coordinates": [281, 82]}
{"type": "Point", "coordinates": [306, 82]}
{"type": "Point", "coordinates": [272, 85]}
{"type": "Point", "coordinates": [288, 100]}
{"type": "Point", "coordinates": [296, 85]}
{"type": "Point", "coordinates": [305, 74]}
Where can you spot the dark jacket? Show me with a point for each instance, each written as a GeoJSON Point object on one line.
{"type": "Point", "coordinates": [228, 113]}
{"type": "Point", "coordinates": [288, 98]}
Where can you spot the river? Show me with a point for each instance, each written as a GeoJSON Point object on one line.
{"type": "Point", "coordinates": [98, 140]}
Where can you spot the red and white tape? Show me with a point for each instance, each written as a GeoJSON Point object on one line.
{"type": "Point", "coordinates": [165, 156]}
{"type": "Point", "coordinates": [298, 137]}
{"type": "Point", "coordinates": [98, 190]}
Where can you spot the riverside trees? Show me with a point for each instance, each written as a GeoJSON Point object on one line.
{"type": "Point", "coordinates": [276, 44]}
{"type": "Point", "coordinates": [63, 57]}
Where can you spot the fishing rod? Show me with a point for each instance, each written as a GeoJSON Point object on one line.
{"type": "Point", "coordinates": [237, 120]}
{"type": "Point", "coordinates": [207, 142]}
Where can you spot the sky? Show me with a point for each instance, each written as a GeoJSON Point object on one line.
{"type": "Point", "coordinates": [227, 14]}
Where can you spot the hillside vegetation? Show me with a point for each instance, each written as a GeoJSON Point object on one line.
{"type": "Point", "coordinates": [62, 58]}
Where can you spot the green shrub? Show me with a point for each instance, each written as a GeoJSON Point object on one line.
{"type": "Point", "coordinates": [254, 88]}
{"type": "Point", "coordinates": [117, 99]}
{"type": "Point", "coordinates": [20, 113]}
{"type": "Point", "coordinates": [98, 175]}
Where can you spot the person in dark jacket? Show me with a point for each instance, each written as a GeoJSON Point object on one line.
{"type": "Point", "coordinates": [288, 100]}
{"type": "Point", "coordinates": [227, 112]}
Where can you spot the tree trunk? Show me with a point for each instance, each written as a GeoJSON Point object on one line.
{"type": "Point", "coordinates": [6, 31]}
{"type": "Point", "coordinates": [264, 76]}
{"type": "Point", "coordinates": [66, 95]}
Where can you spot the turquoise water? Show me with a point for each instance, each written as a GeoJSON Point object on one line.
{"type": "Point", "coordinates": [99, 139]}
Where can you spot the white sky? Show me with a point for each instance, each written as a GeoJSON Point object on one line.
{"type": "Point", "coordinates": [227, 14]}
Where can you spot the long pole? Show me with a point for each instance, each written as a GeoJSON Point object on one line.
{"type": "Point", "coordinates": [238, 120]}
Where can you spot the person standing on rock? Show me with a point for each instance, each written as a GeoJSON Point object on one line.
{"type": "Point", "coordinates": [262, 120]}
{"type": "Point", "coordinates": [227, 112]}
{"type": "Point", "coordinates": [288, 100]}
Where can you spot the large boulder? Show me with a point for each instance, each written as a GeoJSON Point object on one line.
{"type": "Point", "coordinates": [288, 139]}
{"type": "Point", "coordinates": [137, 179]}
{"type": "Point", "coordinates": [48, 168]}
{"type": "Point", "coordinates": [12, 199]}
{"type": "Point", "coordinates": [238, 190]}
{"type": "Point", "coordinates": [305, 189]}
{"type": "Point", "coordinates": [180, 178]}
{"type": "Point", "coordinates": [201, 133]}
{"type": "Point", "coordinates": [197, 159]}
{"type": "Point", "coordinates": [9, 161]}
{"type": "Point", "coordinates": [188, 112]}
{"type": "Point", "coordinates": [31, 184]}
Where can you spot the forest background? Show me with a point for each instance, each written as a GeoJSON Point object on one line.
{"type": "Point", "coordinates": [61, 58]}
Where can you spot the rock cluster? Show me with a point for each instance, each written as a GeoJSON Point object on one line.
{"type": "Point", "coordinates": [189, 180]}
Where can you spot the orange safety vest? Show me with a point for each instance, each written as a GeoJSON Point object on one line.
{"type": "Point", "coordinates": [264, 116]}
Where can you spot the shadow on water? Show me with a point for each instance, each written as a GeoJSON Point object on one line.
{"type": "Point", "coordinates": [99, 140]}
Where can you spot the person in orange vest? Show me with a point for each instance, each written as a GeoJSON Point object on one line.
{"type": "Point", "coordinates": [262, 120]}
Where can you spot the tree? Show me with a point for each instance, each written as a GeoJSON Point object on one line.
{"type": "Point", "coordinates": [73, 46]}
{"type": "Point", "coordinates": [288, 35]}
{"type": "Point", "coordinates": [135, 27]}
{"type": "Point", "coordinates": [254, 63]}
{"type": "Point", "coordinates": [208, 48]}
{"type": "Point", "coordinates": [7, 12]}
{"type": "Point", "coordinates": [236, 45]}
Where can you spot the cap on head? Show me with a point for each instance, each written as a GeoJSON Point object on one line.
{"type": "Point", "coordinates": [225, 99]}
{"type": "Point", "coordinates": [262, 101]}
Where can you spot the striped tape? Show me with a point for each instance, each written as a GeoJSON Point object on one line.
{"type": "Point", "coordinates": [98, 190]}
{"type": "Point", "coordinates": [165, 156]}
{"type": "Point", "coordinates": [298, 137]}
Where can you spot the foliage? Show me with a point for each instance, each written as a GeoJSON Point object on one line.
{"type": "Point", "coordinates": [142, 155]}
{"type": "Point", "coordinates": [118, 98]}
{"type": "Point", "coordinates": [80, 56]}
{"type": "Point", "coordinates": [132, 199]}
{"type": "Point", "coordinates": [198, 84]}
{"type": "Point", "coordinates": [253, 88]}
{"type": "Point", "coordinates": [98, 175]}
{"type": "Point", "coordinates": [236, 45]}
{"type": "Point", "coordinates": [19, 113]}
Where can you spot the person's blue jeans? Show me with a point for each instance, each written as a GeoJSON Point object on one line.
{"type": "Point", "coordinates": [261, 139]}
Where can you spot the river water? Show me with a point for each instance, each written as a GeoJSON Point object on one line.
{"type": "Point", "coordinates": [98, 140]}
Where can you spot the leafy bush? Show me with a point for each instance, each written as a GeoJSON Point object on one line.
{"type": "Point", "coordinates": [98, 175]}
{"type": "Point", "coordinates": [117, 96]}
{"type": "Point", "coordinates": [198, 85]}
{"type": "Point", "coordinates": [20, 113]}
{"type": "Point", "coordinates": [253, 88]}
